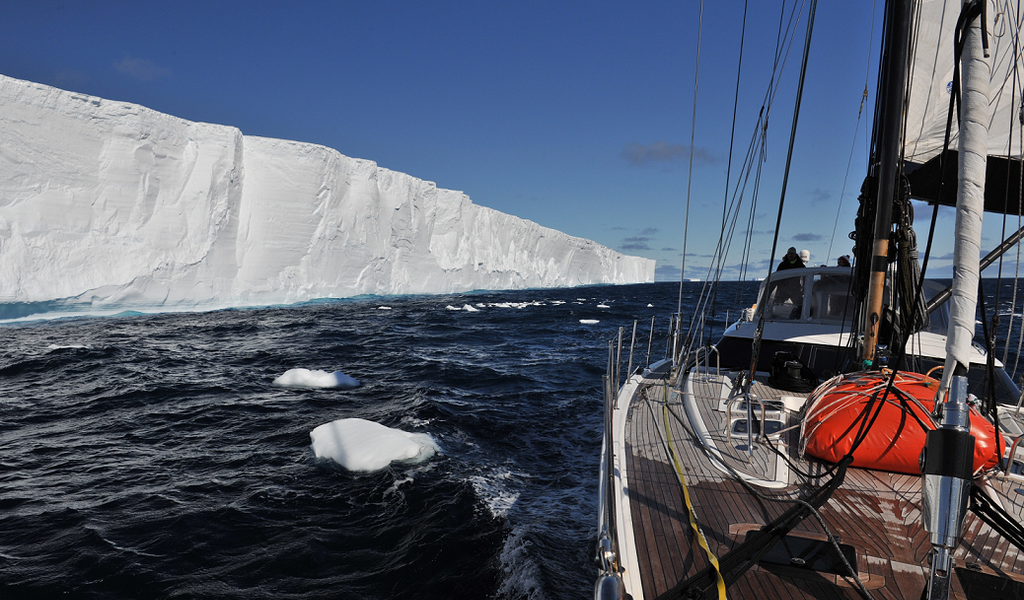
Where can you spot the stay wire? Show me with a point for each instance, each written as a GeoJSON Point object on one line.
{"type": "Point", "coordinates": [856, 132]}
{"type": "Point", "coordinates": [689, 176]}
{"type": "Point", "coordinates": [784, 45]}
{"type": "Point", "coordinates": [785, 182]}
{"type": "Point", "coordinates": [732, 139]}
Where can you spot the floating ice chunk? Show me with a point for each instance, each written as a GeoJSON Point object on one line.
{"type": "Point", "coordinates": [589, 321]}
{"type": "Point", "coordinates": [304, 378]}
{"type": "Point", "coordinates": [650, 306]}
{"type": "Point", "coordinates": [603, 306]}
{"type": "Point", "coordinates": [69, 347]}
{"type": "Point", "coordinates": [470, 308]}
{"type": "Point", "coordinates": [361, 445]}
{"type": "Point", "coordinates": [450, 307]}
{"type": "Point", "coordinates": [383, 308]}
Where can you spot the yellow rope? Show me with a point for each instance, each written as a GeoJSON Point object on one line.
{"type": "Point", "coordinates": [689, 505]}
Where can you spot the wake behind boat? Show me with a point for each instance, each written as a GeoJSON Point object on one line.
{"type": "Point", "coordinates": [844, 438]}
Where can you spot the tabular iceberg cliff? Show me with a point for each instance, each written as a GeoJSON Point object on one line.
{"type": "Point", "coordinates": [110, 203]}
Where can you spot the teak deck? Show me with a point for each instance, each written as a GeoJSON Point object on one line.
{"type": "Point", "coordinates": [877, 513]}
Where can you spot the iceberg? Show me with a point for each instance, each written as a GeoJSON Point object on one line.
{"type": "Point", "coordinates": [305, 378]}
{"type": "Point", "coordinates": [361, 445]}
{"type": "Point", "coordinates": [110, 204]}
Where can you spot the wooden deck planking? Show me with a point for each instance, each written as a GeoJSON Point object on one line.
{"type": "Point", "coordinates": [668, 551]}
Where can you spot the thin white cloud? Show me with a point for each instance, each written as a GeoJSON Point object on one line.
{"type": "Point", "coordinates": [660, 152]}
{"type": "Point", "coordinates": [141, 69]}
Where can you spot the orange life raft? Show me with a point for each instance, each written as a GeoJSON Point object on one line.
{"type": "Point", "coordinates": [836, 412]}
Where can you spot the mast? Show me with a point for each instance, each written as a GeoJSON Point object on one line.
{"type": "Point", "coordinates": [891, 101]}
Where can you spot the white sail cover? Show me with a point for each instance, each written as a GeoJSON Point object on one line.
{"type": "Point", "coordinates": [974, 141]}
{"type": "Point", "coordinates": [932, 77]}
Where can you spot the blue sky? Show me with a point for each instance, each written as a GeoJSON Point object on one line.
{"type": "Point", "coordinates": [575, 115]}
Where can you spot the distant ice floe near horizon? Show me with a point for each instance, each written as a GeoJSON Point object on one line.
{"type": "Point", "coordinates": [361, 445]}
{"type": "Point", "coordinates": [589, 321]}
{"type": "Point", "coordinates": [305, 378]}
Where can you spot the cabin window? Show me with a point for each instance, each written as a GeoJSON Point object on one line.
{"type": "Point", "coordinates": [831, 299]}
{"type": "Point", "coordinates": [785, 299]}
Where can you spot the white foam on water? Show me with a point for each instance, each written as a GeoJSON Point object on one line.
{"type": "Point", "coordinates": [305, 378]}
{"type": "Point", "coordinates": [522, 575]}
{"type": "Point", "coordinates": [469, 308]}
{"type": "Point", "coordinates": [416, 422]}
{"type": "Point", "coordinates": [589, 321]}
{"type": "Point", "coordinates": [495, 493]}
{"type": "Point", "coordinates": [361, 445]}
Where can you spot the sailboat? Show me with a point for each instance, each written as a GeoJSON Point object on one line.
{"type": "Point", "coordinates": [845, 438]}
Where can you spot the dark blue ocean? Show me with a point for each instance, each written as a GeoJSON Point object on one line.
{"type": "Point", "coordinates": [150, 456]}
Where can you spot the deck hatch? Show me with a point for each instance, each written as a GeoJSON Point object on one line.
{"type": "Point", "coordinates": [810, 555]}
{"type": "Point", "coordinates": [984, 586]}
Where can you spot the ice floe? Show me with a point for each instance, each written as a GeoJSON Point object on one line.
{"type": "Point", "coordinates": [361, 445]}
{"type": "Point", "coordinates": [305, 378]}
{"type": "Point", "coordinates": [589, 321]}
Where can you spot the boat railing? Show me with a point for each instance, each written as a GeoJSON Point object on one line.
{"type": "Point", "coordinates": [1009, 457]}
{"type": "Point", "coordinates": [609, 583]}
{"type": "Point", "coordinates": [708, 350]}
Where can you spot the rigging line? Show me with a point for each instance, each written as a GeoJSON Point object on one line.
{"type": "Point", "coordinates": [785, 40]}
{"type": "Point", "coordinates": [785, 181]}
{"type": "Point", "coordinates": [691, 512]}
{"type": "Point", "coordinates": [689, 176]}
{"type": "Point", "coordinates": [732, 139]}
{"type": "Point", "coordinates": [1013, 103]}
{"type": "Point", "coordinates": [760, 135]}
{"type": "Point", "coordinates": [856, 131]}
{"type": "Point", "coordinates": [1006, 195]}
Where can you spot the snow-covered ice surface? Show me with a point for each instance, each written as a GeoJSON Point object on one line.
{"type": "Point", "coordinates": [107, 204]}
{"type": "Point", "coordinates": [361, 445]}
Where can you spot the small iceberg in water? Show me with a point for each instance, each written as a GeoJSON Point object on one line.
{"type": "Point", "coordinates": [589, 321]}
{"type": "Point", "coordinates": [470, 308]}
{"type": "Point", "coordinates": [304, 378]}
{"type": "Point", "coordinates": [361, 445]}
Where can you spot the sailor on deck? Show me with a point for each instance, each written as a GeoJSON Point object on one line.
{"type": "Point", "coordinates": [790, 261]}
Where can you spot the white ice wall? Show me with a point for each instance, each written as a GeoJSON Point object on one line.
{"type": "Point", "coordinates": [110, 202]}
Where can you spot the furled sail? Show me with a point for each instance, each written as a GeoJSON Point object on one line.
{"type": "Point", "coordinates": [974, 140]}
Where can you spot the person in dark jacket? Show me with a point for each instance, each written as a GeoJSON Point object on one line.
{"type": "Point", "coordinates": [790, 261]}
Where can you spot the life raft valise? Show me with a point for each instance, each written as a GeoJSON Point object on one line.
{"type": "Point", "coordinates": [836, 411]}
